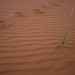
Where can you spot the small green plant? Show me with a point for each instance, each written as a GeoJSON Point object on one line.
{"type": "Point", "coordinates": [64, 36]}
{"type": "Point", "coordinates": [63, 39]}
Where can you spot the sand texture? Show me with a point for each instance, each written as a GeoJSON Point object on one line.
{"type": "Point", "coordinates": [30, 32]}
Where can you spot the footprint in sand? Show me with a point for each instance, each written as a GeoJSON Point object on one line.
{"type": "Point", "coordinates": [19, 14]}
{"type": "Point", "coordinates": [4, 25]}
{"type": "Point", "coordinates": [54, 4]}
{"type": "Point", "coordinates": [38, 11]}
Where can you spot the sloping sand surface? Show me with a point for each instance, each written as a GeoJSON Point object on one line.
{"type": "Point", "coordinates": [30, 32]}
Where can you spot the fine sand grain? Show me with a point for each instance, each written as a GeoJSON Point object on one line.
{"type": "Point", "coordinates": [30, 31]}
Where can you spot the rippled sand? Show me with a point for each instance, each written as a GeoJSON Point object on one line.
{"type": "Point", "coordinates": [30, 31]}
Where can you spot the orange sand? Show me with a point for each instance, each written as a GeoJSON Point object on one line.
{"type": "Point", "coordinates": [29, 37]}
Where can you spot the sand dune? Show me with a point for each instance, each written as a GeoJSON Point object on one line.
{"type": "Point", "coordinates": [30, 31]}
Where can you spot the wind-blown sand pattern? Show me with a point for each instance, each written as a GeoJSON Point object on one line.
{"type": "Point", "coordinates": [30, 34]}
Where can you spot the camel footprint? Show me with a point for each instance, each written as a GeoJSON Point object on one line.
{"type": "Point", "coordinates": [4, 25]}
{"type": "Point", "coordinates": [38, 11]}
{"type": "Point", "coordinates": [19, 14]}
{"type": "Point", "coordinates": [53, 3]}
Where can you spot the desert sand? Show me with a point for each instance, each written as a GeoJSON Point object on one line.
{"type": "Point", "coordinates": [30, 32]}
